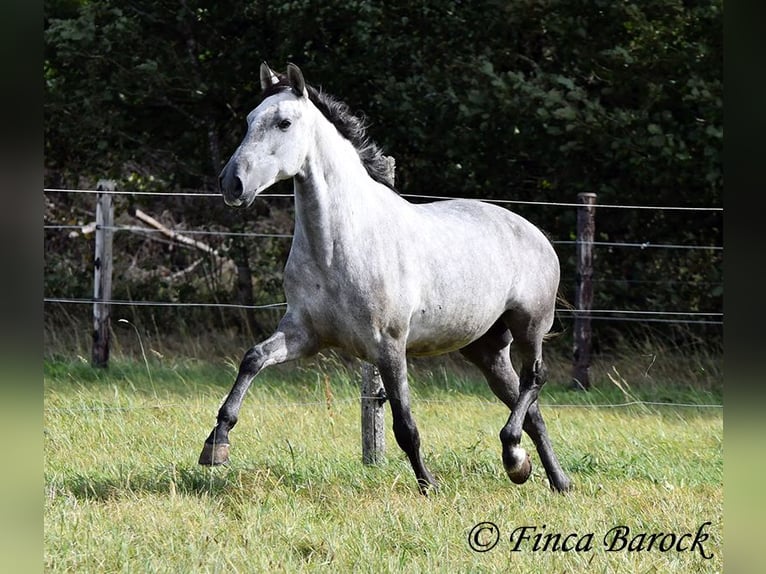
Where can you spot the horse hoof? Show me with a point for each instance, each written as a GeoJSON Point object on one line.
{"type": "Point", "coordinates": [562, 485]}
{"type": "Point", "coordinates": [214, 454]}
{"type": "Point", "coordinates": [428, 489]}
{"type": "Point", "coordinates": [518, 465]}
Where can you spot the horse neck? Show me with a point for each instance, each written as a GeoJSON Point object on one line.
{"type": "Point", "coordinates": [331, 194]}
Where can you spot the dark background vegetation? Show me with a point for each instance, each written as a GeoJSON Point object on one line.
{"type": "Point", "coordinates": [532, 100]}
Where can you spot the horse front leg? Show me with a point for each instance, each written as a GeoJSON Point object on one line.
{"type": "Point", "coordinates": [392, 366]}
{"type": "Point", "coordinates": [290, 341]}
{"type": "Point", "coordinates": [535, 428]}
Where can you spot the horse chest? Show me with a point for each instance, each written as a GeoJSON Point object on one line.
{"type": "Point", "coordinates": [342, 306]}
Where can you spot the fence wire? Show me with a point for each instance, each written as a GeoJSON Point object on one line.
{"type": "Point", "coordinates": [597, 315]}
{"type": "Point", "coordinates": [140, 229]}
{"type": "Point", "coordinates": [413, 195]}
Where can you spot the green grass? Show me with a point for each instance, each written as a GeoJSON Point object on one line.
{"type": "Point", "coordinates": [123, 492]}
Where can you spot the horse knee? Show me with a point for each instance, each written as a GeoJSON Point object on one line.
{"type": "Point", "coordinates": [252, 361]}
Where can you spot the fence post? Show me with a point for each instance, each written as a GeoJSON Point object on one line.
{"type": "Point", "coordinates": [373, 428]}
{"type": "Point", "coordinates": [584, 289]}
{"type": "Point", "coordinates": [102, 274]}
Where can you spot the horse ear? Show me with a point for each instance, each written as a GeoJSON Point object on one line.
{"type": "Point", "coordinates": [295, 76]}
{"type": "Point", "coordinates": [268, 76]}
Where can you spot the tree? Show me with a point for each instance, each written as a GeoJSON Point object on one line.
{"type": "Point", "coordinates": [527, 100]}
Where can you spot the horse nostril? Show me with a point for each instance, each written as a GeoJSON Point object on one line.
{"type": "Point", "coordinates": [230, 186]}
{"type": "Point", "coordinates": [237, 188]}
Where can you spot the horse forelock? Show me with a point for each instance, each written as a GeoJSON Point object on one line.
{"type": "Point", "coordinates": [351, 126]}
{"type": "Point", "coordinates": [283, 85]}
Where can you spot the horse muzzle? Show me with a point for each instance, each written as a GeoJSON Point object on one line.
{"type": "Point", "coordinates": [231, 187]}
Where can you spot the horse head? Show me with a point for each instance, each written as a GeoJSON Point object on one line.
{"type": "Point", "coordinates": [276, 142]}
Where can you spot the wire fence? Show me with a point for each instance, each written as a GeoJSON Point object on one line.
{"type": "Point", "coordinates": [622, 315]}
{"type": "Point", "coordinates": [649, 316]}
{"type": "Point", "coordinates": [416, 196]}
{"type": "Point", "coordinates": [592, 314]}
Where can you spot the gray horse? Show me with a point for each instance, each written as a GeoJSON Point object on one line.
{"type": "Point", "coordinates": [382, 278]}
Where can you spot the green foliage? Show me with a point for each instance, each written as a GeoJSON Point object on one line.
{"type": "Point", "coordinates": [524, 100]}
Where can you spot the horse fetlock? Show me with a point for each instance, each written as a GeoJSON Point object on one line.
{"type": "Point", "coordinates": [225, 421]}
{"type": "Point", "coordinates": [510, 438]}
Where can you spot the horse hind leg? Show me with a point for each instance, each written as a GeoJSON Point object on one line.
{"type": "Point", "coordinates": [290, 341]}
{"type": "Point", "coordinates": [528, 336]}
{"type": "Point", "coordinates": [491, 354]}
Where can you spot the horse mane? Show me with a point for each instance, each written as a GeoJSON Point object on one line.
{"type": "Point", "coordinates": [351, 126]}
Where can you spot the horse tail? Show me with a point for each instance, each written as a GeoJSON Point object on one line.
{"type": "Point", "coordinates": [561, 303]}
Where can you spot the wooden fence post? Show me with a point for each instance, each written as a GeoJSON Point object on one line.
{"type": "Point", "coordinates": [102, 274]}
{"type": "Point", "coordinates": [373, 425]}
{"type": "Point", "coordinates": [584, 289]}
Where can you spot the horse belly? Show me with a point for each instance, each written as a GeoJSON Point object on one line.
{"type": "Point", "coordinates": [489, 262]}
{"type": "Point", "coordinates": [442, 328]}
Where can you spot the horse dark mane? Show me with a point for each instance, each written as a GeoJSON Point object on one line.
{"type": "Point", "coordinates": [350, 126]}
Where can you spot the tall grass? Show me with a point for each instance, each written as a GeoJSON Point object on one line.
{"type": "Point", "coordinates": [124, 492]}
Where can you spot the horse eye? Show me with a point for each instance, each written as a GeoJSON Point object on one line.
{"type": "Point", "coordinates": [284, 124]}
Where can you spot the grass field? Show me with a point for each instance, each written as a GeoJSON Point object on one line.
{"type": "Point", "coordinates": [123, 492]}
